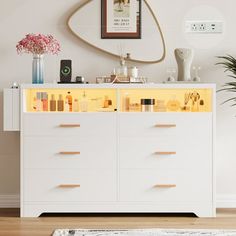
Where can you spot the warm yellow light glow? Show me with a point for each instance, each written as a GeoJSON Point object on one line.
{"type": "Point", "coordinates": [94, 97]}
{"type": "Point", "coordinates": [195, 100]}
{"type": "Point", "coordinates": [166, 100]}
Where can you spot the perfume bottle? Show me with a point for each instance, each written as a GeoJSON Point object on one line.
{"type": "Point", "coordinates": [76, 105]}
{"type": "Point", "coordinates": [84, 103]}
{"type": "Point", "coordinates": [69, 99]}
{"type": "Point", "coordinates": [53, 103]}
{"type": "Point", "coordinates": [60, 103]}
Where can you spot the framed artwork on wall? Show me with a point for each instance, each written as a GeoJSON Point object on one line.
{"type": "Point", "coordinates": [121, 19]}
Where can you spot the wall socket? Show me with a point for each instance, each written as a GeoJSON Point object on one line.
{"type": "Point", "coordinates": [204, 27]}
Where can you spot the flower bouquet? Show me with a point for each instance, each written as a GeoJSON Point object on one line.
{"type": "Point", "coordinates": [38, 45]}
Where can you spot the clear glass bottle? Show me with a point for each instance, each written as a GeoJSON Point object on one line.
{"type": "Point", "coordinates": [76, 105]}
{"type": "Point", "coordinates": [126, 103]}
{"type": "Point", "coordinates": [122, 70]}
{"type": "Point", "coordinates": [84, 103]}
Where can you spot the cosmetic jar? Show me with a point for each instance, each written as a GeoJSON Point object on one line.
{"type": "Point", "coordinates": [147, 104]}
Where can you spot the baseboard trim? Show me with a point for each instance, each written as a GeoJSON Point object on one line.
{"type": "Point", "coordinates": [222, 201]}
{"type": "Point", "coordinates": [226, 201]}
{"type": "Point", "coordinates": [9, 201]}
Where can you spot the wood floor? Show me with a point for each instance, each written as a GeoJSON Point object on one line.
{"type": "Point", "coordinates": [12, 225]}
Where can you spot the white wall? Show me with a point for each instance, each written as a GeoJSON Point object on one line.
{"type": "Point", "coordinates": [18, 17]}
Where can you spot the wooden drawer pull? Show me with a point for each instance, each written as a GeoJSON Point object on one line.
{"type": "Point", "coordinates": [69, 125]}
{"type": "Point", "coordinates": [165, 125]}
{"type": "Point", "coordinates": [165, 153]}
{"type": "Point", "coordinates": [69, 153]}
{"type": "Point", "coordinates": [165, 186]}
{"type": "Point", "coordinates": [69, 186]}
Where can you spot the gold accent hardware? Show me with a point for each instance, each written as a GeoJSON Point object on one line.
{"type": "Point", "coordinates": [165, 153]}
{"type": "Point", "coordinates": [69, 186]}
{"type": "Point", "coordinates": [69, 125]}
{"type": "Point", "coordinates": [165, 186]}
{"type": "Point", "coordinates": [69, 153]}
{"type": "Point", "coordinates": [165, 125]}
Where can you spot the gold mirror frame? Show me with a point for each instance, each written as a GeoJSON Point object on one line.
{"type": "Point", "coordinates": [115, 55]}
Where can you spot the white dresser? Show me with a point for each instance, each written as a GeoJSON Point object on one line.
{"type": "Point", "coordinates": [107, 160]}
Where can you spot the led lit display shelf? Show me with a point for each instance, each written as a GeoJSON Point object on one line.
{"type": "Point", "coordinates": [121, 98]}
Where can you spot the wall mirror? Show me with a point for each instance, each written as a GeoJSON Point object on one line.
{"type": "Point", "coordinates": [85, 23]}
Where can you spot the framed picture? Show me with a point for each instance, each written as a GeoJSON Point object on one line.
{"type": "Point", "coordinates": [121, 19]}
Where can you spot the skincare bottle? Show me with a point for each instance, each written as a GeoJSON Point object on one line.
{"type": "Point", "coordinates": [38, 102]}
{"type": "Point", "coordinates": [84, 103]}
{"type": "Point", "coordinates": [60, 103]}
{"type": "Point", "coordinates": [106, 102]}
{"type": "Point", "coordinates": [67, 106]}
{"type": "Point", "coordinates": [53, 103]}
{"type": "Point", "coordinates": [45, 101]}
{"type": "Point", "coordinates": [76, 105]}
{"type": "Point", "coordinates": [69, 99]}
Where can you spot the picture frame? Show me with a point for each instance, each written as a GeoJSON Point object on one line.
{"type": "Point", "coordinates": [121, 19]}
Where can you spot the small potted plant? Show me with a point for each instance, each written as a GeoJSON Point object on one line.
{"type": "Point", "coordinates": [38, 45]}
{"type": "Point", "coordinates": [229, 64]}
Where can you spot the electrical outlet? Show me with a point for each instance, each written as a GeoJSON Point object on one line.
{"type": "Point", "coordinates": [206, 27]}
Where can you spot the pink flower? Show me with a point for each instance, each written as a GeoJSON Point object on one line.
{"type": "Point", "coordinates": [38, 44]}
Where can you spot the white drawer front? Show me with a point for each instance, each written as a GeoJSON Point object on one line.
{"type": "Point", "coordinates": [68, 152]}
{"type": "Point", "coordinates": [85, 124]}
{"type": "Point", "coordinates": [44, 185]}
{"type": "Point", "coordinates": [163, 124]}
{"type": "Point", "coordinates": [191, 186]}
{"type": "Point", "coordinates": [167, 152]}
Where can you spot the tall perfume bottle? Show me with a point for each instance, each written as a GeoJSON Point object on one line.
{"type": "Point", "coordinates": [69, 99]}
{"type": "Point", "coordinates": [53, 106]}
{"type": "Point", "coordinates": [84, 103]}
{"type": "Point", "coordinates": [60, 103]}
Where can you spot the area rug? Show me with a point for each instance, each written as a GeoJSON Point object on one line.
{"type": "Point", "coordinates": [143, 232]}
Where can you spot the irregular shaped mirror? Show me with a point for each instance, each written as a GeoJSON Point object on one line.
{"type": "Point", "coordinates": [85, 23]}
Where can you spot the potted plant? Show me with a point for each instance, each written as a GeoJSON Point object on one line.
{"type": "Point", "coordinates": [229, 64]}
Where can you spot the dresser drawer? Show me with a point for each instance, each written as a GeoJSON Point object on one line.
{"type": "Point", "coordinates": [166, 152]}
{"type": "Point", "coordinates": [166, 186]}
{"type": "Point", "coordinates": [82, 124]}
{"type": "Point", "coordinates": [69, 152]}
{"type": "Point", "coordinates": [164, 124]}
{"type": "Point", "coordinates": [69, 185]}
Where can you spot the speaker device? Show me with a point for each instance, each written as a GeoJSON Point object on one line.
{"type": "Point", "coordinates": [65, 71]}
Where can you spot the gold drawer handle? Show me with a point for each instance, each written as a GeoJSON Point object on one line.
{"type": "Point", "coordinates": [69, 153]}
{"type": "Point", "coordinates": [69, 125]}
{"type": "Point", "coordinates": [165, 186]}
{"type": "Point", "coordinates": [165, 153]}
{"type": "Point", "coordinates": [165, 125]}
{"type": "Point", "coordinates": [69, 186]}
